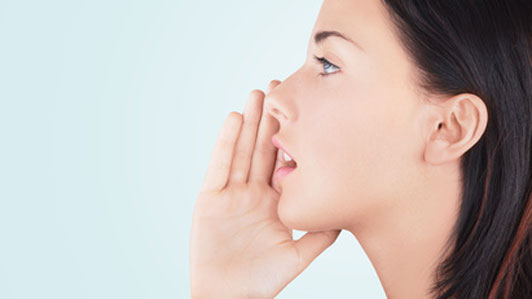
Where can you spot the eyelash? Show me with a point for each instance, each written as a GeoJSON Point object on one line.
{"type": "Point", "coordinates": [324, 61]}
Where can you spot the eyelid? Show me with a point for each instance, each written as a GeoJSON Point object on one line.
{"type": "Point", "coordinates": [324, 60]}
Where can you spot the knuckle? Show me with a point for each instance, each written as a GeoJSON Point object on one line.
{"type": "Point", "coordinates": [221, 165]}
{"type": "Point", "coordinates": [263, 149]}
{"type": "Point", "coordinates": [262, 190]}
{"type": "Point", "coordinates": [250, 121]}
{"type": "Point", "coordinates": [237, 174]}
{"type": "Point", "coordinates": [243, 155]}
{"type": "Point", "coordinates": [225, 142]}
{"type": "Point", "coordinates": [256, 187]}
{"type": "Point", "coordinates": [236, 189]}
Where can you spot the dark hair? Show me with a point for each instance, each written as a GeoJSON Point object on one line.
{"type": "Point", "coordinates": [482, 47]}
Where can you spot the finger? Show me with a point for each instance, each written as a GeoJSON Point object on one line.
{"type": "Point", "coordinates": [246, 140]}
{"type": "Point", "coordinates": [265, 153]}
{"type": "Point", "coordinates": [272, 85]}
{"type": "Point", "coordinates": [222, 154]}
{"type": "Point", "coordinates": [313, 244]}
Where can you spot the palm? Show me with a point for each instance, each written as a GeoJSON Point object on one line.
{"type": "Point", "coordinates": [238, 242]}
{"type": "Point", "coordinates": [255, 247]}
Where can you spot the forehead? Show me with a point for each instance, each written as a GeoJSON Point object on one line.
{"type": "Point", "coordinates": [364, 21]}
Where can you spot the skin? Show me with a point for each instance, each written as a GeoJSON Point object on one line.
{"type": "Point", "coordinates": [376, 156]}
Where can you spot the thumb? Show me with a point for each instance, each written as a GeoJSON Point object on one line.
{"type": "Point", "coordinates": [313, 244]}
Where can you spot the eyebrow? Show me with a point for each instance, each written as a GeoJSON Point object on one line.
{"type": "Point", "coordinates": [321, 36]}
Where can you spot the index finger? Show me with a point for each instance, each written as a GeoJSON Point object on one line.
{"type": "Point", "coordinates": [265, 152]}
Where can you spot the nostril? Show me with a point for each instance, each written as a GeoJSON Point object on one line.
{"type": "Point", "coordinates": [277, 113]}
{"type": "Point", "coordinates": [274, 109]}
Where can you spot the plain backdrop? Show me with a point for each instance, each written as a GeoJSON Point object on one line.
{"type": "Point", "coordinates": [109, 111]}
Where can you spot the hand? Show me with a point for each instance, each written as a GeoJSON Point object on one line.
{"type": "Point", "coordinates": [238, 246]}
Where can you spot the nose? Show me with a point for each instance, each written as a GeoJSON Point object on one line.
{"type": "Point", "coordinates": [275, 103]}
{"type": "Point", "coordinates": [271, 108]}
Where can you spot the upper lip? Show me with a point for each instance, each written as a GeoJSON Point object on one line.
{"type": "Point", "coordinates": [278, 144]}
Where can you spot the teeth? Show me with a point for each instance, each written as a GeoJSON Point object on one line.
{"type": "Point", "coordinates": [286, 157]}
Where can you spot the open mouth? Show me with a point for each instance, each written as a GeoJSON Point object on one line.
{"type": "Point", "coordinates": [286, 165]}
{"type": "Point", "coordinates": [286, 160]}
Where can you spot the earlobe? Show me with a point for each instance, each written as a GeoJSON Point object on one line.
{"type": "Point", "coordinates": [461, 122]}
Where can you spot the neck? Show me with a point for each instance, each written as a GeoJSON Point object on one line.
{"type": "Point", "coordinates": [405, 243]}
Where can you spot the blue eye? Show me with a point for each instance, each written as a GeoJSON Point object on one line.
{"type": "Point", "coordinates": [326, 65]}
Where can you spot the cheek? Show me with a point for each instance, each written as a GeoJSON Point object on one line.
{"type": "Point", "coordinates": [315, 197]}
{"type": "Point", "coordinates": [355, 165]}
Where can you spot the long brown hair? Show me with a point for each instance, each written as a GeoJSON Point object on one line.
{"type": "Point", "coordinates": [482, 47]}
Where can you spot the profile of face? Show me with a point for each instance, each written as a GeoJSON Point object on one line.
{"type": "Point", "coordinates": [352, 123]}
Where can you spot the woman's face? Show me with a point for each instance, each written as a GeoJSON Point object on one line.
{"type": "Point", "coordinates": [354, 133]}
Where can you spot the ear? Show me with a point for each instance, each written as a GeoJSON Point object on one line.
{"type": "Point", "coordinates": [457, 125]}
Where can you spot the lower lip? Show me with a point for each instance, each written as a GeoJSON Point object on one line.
{"type": "Point", "coordinates": [282, 172]}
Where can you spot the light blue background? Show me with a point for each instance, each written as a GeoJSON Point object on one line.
{"type": "Point", "coordinates": [108, 114]}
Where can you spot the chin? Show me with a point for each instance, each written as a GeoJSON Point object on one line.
{"type": "Point", "coordinates": [295, 215]}
{"type": "Point", "coordinates": [289, 213]}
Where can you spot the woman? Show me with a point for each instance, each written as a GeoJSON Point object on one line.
{"type": "Point", "coordinates": [410, 126]}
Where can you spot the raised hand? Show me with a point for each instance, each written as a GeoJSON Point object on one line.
{"type": "Point", "coordinates": [238, 246]}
